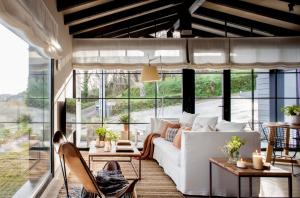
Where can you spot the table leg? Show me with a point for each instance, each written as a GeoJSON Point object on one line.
{"type": "Point", "coordinates": [239, 187]}
{"type": "Point", "coordinates": [210, 179]}
{"type": "Point", "coordinates": [140, 168]}
{"type": "Point", "coordinates": [290, 187]}
{"type": "Point", "coordinates": [250, 186]}
{"type": "Point", "coordinates": [90, 162]}
{"type": "Point", "coordinates": [270, 144]}
{"type": "Point", "coordinates": [287, 141]}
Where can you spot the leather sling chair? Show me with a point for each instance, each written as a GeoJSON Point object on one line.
{"type": "Point", "coordinates": [69, 155]}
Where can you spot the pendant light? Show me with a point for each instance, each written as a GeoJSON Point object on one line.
{"type": "Point", "coordinates": [149, 74]}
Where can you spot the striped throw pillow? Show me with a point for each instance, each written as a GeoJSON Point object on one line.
{"type": "Point", "coordinates": [171, 133]}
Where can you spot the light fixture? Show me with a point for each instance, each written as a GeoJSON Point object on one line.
{"type": "Point", "coordinates": [149, 74]}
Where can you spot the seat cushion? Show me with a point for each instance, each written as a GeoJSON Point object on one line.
{"type": "Point", "coordinates": [169, 151]}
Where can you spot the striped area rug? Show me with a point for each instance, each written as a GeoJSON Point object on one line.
{"type": "Point", "coordinates": [154, 183]}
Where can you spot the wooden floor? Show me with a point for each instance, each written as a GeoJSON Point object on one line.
{"type": "Point", "coordinates": [155, 183]}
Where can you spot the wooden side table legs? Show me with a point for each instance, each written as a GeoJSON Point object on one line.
{"type": "Point", "coordinates": [210, 179]}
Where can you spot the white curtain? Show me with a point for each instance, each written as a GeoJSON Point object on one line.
{"type": "Point", "coordinates": [201, 53]}
{"type": "Point", "coordinates": [33, 22]}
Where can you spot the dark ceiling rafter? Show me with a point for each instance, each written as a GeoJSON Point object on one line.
{"type": "Point", "coordinates": [84, 15]}
{"type": "Point", "coordinates": [62, 5]}
{"type": "Point", "coordinates": [296, 2]}
{"type": "Point", "coordinates": [139, 26]}
{"type": "Point", "coordinates": [93, 24]}
{"type": "Point", "coordinates": [260, 10]}
{"type": "Point", "coordinates": [277, 31]}
{"type": "Point", "coordinates": [129, 22]}
{"type": "Point", "coordinates": [224, 28]}
{"type": "Point", "coordinates": [201, 33]}
{"type": "Point", "coordinates": [149, 30]}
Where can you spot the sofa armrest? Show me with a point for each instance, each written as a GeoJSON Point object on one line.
{"type": "Point", "coordinates": [198, 147]}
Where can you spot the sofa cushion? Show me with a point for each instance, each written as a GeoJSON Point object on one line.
{"type": "Point", "coordinates": [177, 138]}
{"type": "Point", "coordinates": [156, 123]}
{"type": "Point", "coordinates": [187, 119]}
{"type": "Point", "coordinates": [165, 125]}
{"type": "Point", "coordinates": [225, 126]}
{"type": "Point", "coordinates": [203, 124]}
{"type": "Point", "coordinates": [171, 133]}
{"type": "Point", "coordinates": [169, 151]}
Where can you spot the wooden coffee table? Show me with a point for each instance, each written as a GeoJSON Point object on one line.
{"type": "Point", "coordinates": [247, 172]}
{"type": "Point", "coordinates": [95, 152]}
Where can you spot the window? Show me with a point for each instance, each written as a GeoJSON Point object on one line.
{"type": "Point", "coordinates": [103, 96]}
{"type": "Point", "coordinates": [24, 116]}
{"type": "Point", "coordinates": [208, 93]}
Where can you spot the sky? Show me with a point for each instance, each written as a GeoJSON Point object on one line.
{"type": "Point", "coordinates": [14, 62]}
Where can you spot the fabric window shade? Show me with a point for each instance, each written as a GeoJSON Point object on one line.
{"type": "Point", "coordinates": [128, 52]}
{"type": "Point", "coordinates": [202, 53]}
{"type": "Point", "coordinates": [33, 22]}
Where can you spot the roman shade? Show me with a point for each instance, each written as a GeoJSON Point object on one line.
{"type": "Point", "coordinates": [197, 53]}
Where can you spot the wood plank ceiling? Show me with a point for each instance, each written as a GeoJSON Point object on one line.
{"type": "Point", "coordinates": [193, 18]}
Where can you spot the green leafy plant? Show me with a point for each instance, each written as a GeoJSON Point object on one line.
{"type": "Point", "coordinates": [233, 145]}
{"type": "Point", "coordinates": [292, 110]}
{"type": "Point", "coordinates": [111, 136]}
{"type": "Point", "coordinates": [124, 118]}
{"type": "Point", "coordinates": [101, 131]}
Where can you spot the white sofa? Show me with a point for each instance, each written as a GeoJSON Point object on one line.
{"type": "Point", "coordinates": [189, 166]}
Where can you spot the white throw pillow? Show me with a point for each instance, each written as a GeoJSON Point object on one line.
{"type": "Point", "coordinates": [187, 119]}
{"type": "Point", "coordinates": [204, 124]}
{"type": "Point", "coordinates": [225, 126]}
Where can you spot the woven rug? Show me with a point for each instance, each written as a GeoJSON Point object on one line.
{"type": "Point", "coordinates": [154, 183]}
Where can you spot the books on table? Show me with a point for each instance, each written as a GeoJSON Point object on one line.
{"type": "Point", "coordinates": [123, 143]}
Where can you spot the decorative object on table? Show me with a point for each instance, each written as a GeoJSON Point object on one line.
{"type": "Point", "coordinates": [232, 149]}
{"type": "Point", "coordinates": [124, 149]}
{"type": "Point", "coordinates": [101, 132]}
{"type": "Point", "coordinates": [257, 161]}
{"type": "Point", "coordinates": [123, 143]}
{"type": "Point", "coordinates": [109, 138]}
{"type": "Point", "coordinates": [125, 120]}
{"type": "Point", "coordinates": [294, 112]}
{"type": "Point", "coordinates": [241, 163]}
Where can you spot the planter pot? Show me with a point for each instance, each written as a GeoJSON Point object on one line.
{"type": "Point", "coordinates": [233, 157]}
{"type": "Point", "coordinates": [100, 141]}
{"type": "Point", "coordinates": [125, 126]}
{"type": "Point", "coordinates": [295, 120]}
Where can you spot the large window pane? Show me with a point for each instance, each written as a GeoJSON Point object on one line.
{"type": "Point", "coordinates": [209, 107]}
{"type": "Point", "coordinates": [169, 108]}
{"type": "Point", "coordinates": [141, 110]}
{"type": "Point", "coordinates": [208, 85]}
{"type": "Point", "coordinates": [241, 85]}
{"type": "Point", "coordinates": [241, 110]}
{"type": "Point", "coordinates": [116, 85]}
{"type": "Point", "coordinates": [24, 116]}
{"type": "Point", "coordinates": [170, 86]}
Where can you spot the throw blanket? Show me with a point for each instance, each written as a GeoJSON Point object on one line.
{"type": "Point", "coordinates": [148, 149]}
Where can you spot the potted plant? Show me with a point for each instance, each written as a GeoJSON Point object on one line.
{"type": "Point", "coordinates": [125, 120]}
{"type": "Point", "coordinates": [110, 136]}
{"type": "Point", "coordinates": [294, 112]}
{"type": "Point", "coordinates": [232, 149]}
{"type": "Point", "coordinates": [101, 132]}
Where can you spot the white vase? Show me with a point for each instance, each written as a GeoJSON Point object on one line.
{"type": "Point", "coordinates": [295, 120]}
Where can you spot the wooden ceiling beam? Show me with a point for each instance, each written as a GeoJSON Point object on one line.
{"type": "Point", "coordinates": [260, 10]}
{"type": "Point", "coordinates": [223, 27]}
{"type": "Point", "coordinates": [147, 31]}
{"type": "Point", "coordinates": [264, 27]}
{"type": "Point", "coordinates": [201, 33]}
{"type": "Point", "coordinates": [129, 23]}
{"type": "Point", "coordinates": [122, 16]}
{"type": "Point", "coordinates": [138, 27]}
{"type": "Point", "coordinates": [90, 13]}
{"type": "Point", "coordinates": [62, 5]}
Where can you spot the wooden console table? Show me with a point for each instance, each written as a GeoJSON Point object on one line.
{"type": "Point", "coordinates": [273, 126]}
{"type": "Point", "coordinates": [247, 172]}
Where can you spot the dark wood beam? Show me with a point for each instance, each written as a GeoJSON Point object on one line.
{"type": "Point", "coordinates": [264, 27]}
{"type": "Point", "coordinates": [224, 28]}
{"type": "Point", "coordinates": [86, 14]}
{"type": "Point", "coordinates": [150, 30]}
{"type": "Point", "coordinates": [130, 22]}
{"type": "Point", "coordinates": [123, 15]}
{"type": "Point", "coordinates": [62, 5]}
{"type": "Point", "coordinates": [296, 2]}
{"type": "Point", "coordinates": [138, 27]}
{"type": "Point", "coordinates": [201, 33]}
{"type": "Point", "coordinates": [260, 10]}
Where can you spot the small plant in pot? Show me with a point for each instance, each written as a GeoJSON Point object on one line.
{"type": "Point", "coordinates": [294, 112]}
{"type": "Point", "coordinates": [125, 120]}
{"type": "Point", "coordinates": [110, 137]}
{"type": "Point", "coordinates": [101, 132]}
{"type": "Point", "coordinates": [232, 149]}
